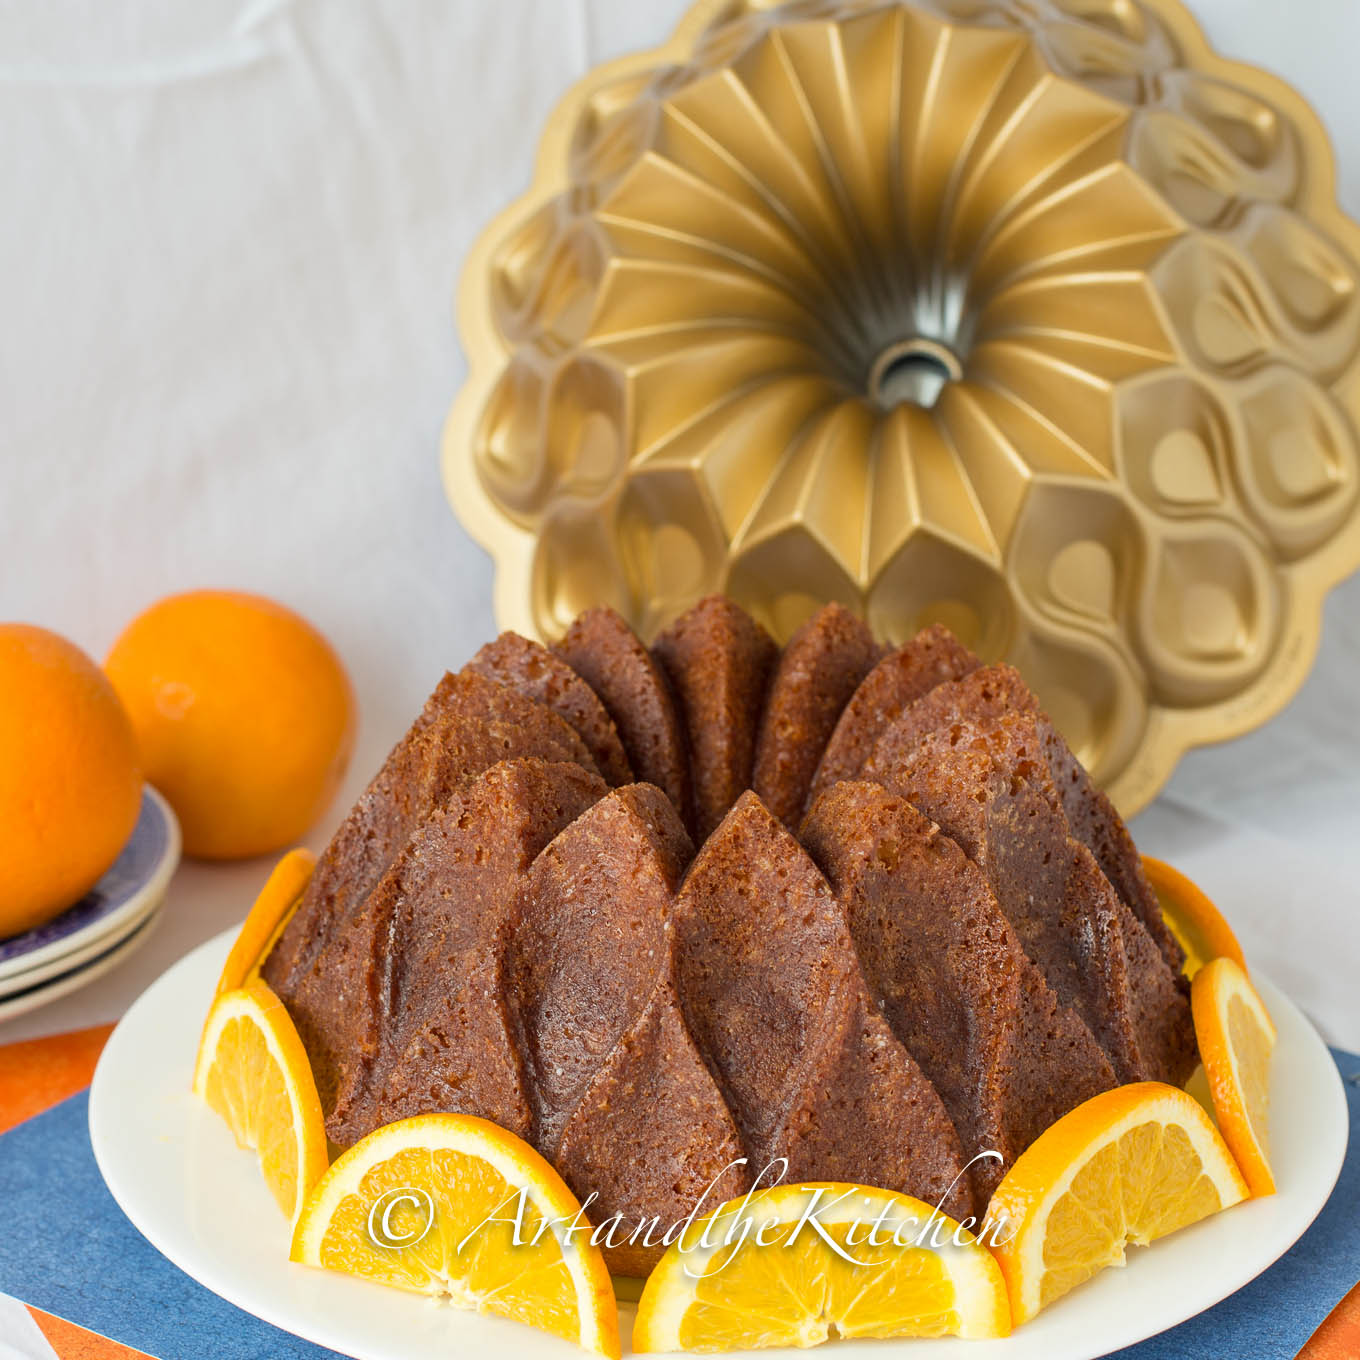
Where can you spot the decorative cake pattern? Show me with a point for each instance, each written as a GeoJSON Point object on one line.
{"type": "Point", "coordinates": [887, 976]}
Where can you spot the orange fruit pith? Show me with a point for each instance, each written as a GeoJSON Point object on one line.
{"type": "Point", "coordinates": [70, 775]}
{"type": "Point", "coordinates": [253, 1071]}
{"type": "Point", "coordinates": [244, 714]}
{"type": "Point", "coordinates": [1236, 1038]}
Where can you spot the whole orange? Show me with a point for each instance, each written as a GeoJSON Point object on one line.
{"type": "Point", "coordinates": [244, 714]}
{"type": "Point", "coordinates": [70, 780]}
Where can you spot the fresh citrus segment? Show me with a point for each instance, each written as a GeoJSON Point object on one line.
{"type": "Point", "coordinates": [253, 1070]}
{"type": "Point", "coordinates": [1130, 1165]}
{"type": "Point", "coordinates": [263, 926]}
{"type": "Point", "coordinates": [1196, 923]}
{"type": "Point", "coordinates": [800, 1264]}
{"type": "Point", "coordinates": [455, 1207]}
{"type": "Point", "coordinates": [1236, 1037]}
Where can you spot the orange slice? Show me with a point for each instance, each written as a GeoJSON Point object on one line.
{"type": "Point", "coordinates": [1196, 923]}
{"type": "Point", "coordinates": [273, 908]}
{"type": "Point", "coordinates": [1236, 1038]}
{"type": "Point", "coordinates": [453, 1207]}
{"type": "Point", "coordinates": [759, 1273]}
{"type": "Point", "coordinates": [253, 1070]}
{"type": "Point", "coordinates": [1128, 1166]}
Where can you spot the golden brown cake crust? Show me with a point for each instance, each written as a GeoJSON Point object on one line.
{"type": "Point", "coordinates": [775, 998]}
{"type": "Point", "coordinates": [388, 812]}
{"type": "Point", "coordinates": [1097, 825]}
{"type": "Point", "coordinates": [622, 1103]}
{"type": "Point", "coordinates": [468, 724]}
{"type": "Point", "coordinates": [493, 930]}
{"type": "Point", "coordinates": [718, 661]}
{"type": "Point", "coordinates": [530, 668]}
{"type": "Point", "coordinates": [822, 666]}
{"type": "Point", "coordinates": [950, 977]}
{"type": "Point", "coordinates": [602, 649]}
{"type": "Point", "coordinates": [990, 790]}
{"type": "Point", "coordinates": [651, 1136]}
{"type": "Point", "coordinates": [435, 997]}
{"type": "Point", "coordinates": [987, 694]}
{"type": "Point", "coordinates": [599, 895]}
{"type": "Point", "coordinates": [933, 656]}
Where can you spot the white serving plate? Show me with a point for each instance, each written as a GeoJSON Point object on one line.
{"type": "Point", "coordinates": [176, 1171]}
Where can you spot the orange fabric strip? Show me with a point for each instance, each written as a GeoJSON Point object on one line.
{"type": "Point", "coordinates": [1339, 1336]}
{"type": "Point", "coordinates": [40, 1073]}
{"type": "Point", "coordinates": [75, 1343]}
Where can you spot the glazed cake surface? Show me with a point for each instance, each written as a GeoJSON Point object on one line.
{"type": "Point", "coordinates": [678, 914]}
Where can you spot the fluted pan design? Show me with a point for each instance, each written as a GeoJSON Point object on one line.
{"type": "Point", "coordinates": [1031, 317]}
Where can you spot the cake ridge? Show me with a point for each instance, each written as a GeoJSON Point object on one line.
{"type": "Point", "coordinates": [605, 652]}
{"type": "Point", "coordinates": [718, 661]}
{"type": "Point", "coordinates": [990, 789]}
{"type": "Point", "coordinates": [600, 893]}
{"type": "Point", "coordinates": [821, 667]}
{"type": "Point", "coordinates": [468, 724]}
{"type": "Point", "coordinates": [934, 655]}
{"type": "Point", "coordinates": [529, 667]}
{"type": "Point", "coordinates": [442, 911]}
{"type": "Point", "coordinates": [951, 977]}
{"type": "Point", "coordinates": [775, 996]}
{"type": "Point", "coordinates": [987, 694]}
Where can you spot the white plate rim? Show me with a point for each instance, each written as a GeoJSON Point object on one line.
{"type": "Point", "coordinates": [66, 983]}
{"type": "Point", "coordinates": [1061, 1333]}
{"type": "Point", "coordinates": [90, 950]}
{"type": "Point", "coordinates": [143, 901]}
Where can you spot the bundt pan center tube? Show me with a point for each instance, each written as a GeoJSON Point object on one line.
{"type": "Point", "coordinates": [683, 913]}
{"type": "Point", "coordinates": [1034, 318]}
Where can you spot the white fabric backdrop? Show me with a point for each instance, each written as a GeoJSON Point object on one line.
{"type": "Point", "coordinates": [229, 236]}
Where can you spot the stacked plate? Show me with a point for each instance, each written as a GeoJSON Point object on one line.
{"type": "Point", "coordinates": [112, 920]}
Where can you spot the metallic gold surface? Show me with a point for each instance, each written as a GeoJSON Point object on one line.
{"type": "Point", "coordinates": [1033, 317]}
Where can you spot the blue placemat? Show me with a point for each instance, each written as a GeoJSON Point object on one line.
{"type": "Point", "coordinates": [68, 1249]}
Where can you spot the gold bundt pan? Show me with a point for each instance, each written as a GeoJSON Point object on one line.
{"type": "Point", "coordinates": [1033, 317]}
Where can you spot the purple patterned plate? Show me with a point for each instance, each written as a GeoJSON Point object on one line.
{"type": "Point", "coordinates": [131, 889]}
{"type": "Point", "coordinates": [64, 983]}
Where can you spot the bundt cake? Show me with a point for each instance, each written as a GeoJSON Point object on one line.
{"type": "Point", "coordinates": [675, 914]}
